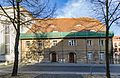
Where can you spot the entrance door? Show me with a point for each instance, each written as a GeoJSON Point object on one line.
{"type": "Point", "coordinates": [53, 57]}
{"type": "Point", "coordinates": [71, 58]}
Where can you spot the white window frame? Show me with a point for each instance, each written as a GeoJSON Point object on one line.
{"type": "Point", "coordinates": [7, 39]}
{"type": "Point", "coordinates": [119, 44]}
{"type": "Point", "coordinates": [90, 55]}
{"type": "Point", "coordinates": [101, 42]}
{"type": "Point", "coordinates": [39, 43]}
{"type": "Point", "coordinates": [115, 45]}
{"type": "Point", "coordinates": [72, 42]}
{"type": "Point", "coordinates": [89, 42]}
{"type": "Point", "coordinates": [54, 42]}
{"type": "Point", "coordinates": [101, 55]}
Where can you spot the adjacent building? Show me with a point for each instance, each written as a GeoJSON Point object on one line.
{"type": "Point", "coordinates": [116, 49]}
{"type": "Point", "coordinates": [7, 33]}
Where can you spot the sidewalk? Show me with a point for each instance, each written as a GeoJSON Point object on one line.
{"type": "Point", "coordinates": [69, 64]}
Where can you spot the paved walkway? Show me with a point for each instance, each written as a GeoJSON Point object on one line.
{"type": "Point", "coordinates": [58, 76]}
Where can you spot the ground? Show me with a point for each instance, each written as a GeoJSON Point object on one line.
{"type": "Point", "coordinates": [25, 75]}
{"type": "Point", "coordinates": [53, 71]}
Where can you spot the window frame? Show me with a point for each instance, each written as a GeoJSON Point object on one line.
{"type": "Point", "coordinates": [72, 42]}
{"type": "Point", "coordinates": [101, 42]}
{"type": "Point", "coordinates": [7, 39]}
{"type": "Point", "coordinates": [89, 42]}
{"type": "Point", "coordinates": [115, 44]}
{"type": "Point", "coordinates": [101, 55]}
{"type": "Point", "coordinates": [54, 42]}
{"type": "Point", "coordinates": [91, 55]}
{"type": "Point", "coordinates": [39, 43]}
{"type": "Point", "coordinates": [27, 43]}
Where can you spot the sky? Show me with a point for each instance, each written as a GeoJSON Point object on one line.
{"type": "Point", "coordinates": [72, 8]}
{"type": "Point", "coordinates": [77, 8]}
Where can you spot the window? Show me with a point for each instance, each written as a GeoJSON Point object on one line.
{"type": "Point", "coordinates": [89, 55]}
{"type": "Point", "coordinates": [116, 58]}
{"type": "Point", "coordinates": [73, 30]}
{"type": "Point", "coordinates": [7, 30]}
{"type": "Point", "coordinates": [27, 43]}
{"type": "Point", "coordinates": [39, 43]}
{"type": "Point", "coordinates": [119, 44]}
{"type": "Point", "coordinates": [101, 56]}
{"type": "Point", "coordinates": [115, 44]}
{"type": "Point", "coordinates": [72, 42]}
{"type": "Point", "coordinates": [89, 42]}
{"type": "Point", "coordinates": [55, 31]}
{"type": "Point", "coordinates": [115, 49]}
{"type": "Point", "coordinates": [54, 42]}
{"type": "Point", "coordinates": [101, 42]}
{"type": "Point", "coordinates": [7, 39]}
{"type": "Point", "coordinates": [7, 49]}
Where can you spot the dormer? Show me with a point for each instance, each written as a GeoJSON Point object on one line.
{"type": "Point", "coordinates": [92, 30]}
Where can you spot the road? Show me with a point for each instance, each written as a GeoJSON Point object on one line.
{"type": "Point", "coordinates": [55, 70]}
{"type": "Point", "coordinates": [71, 68]}
{"type": "Point", "coordinates": [66, 68]}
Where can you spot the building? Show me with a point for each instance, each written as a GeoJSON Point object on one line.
{"type": "Point", "coordinates": [7, 33]}
{"type": "Point", "coordinates": [65, 40]}
{"type": "Point", "coordinates": [116, 49]}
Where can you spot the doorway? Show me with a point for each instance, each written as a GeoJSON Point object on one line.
{"type": "Point", "coordinates": [53, 57]}
{"type": "Point", "coordinates": [71, 57]}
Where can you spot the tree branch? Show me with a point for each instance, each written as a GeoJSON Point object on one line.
{"type": "Point", "coordinates": [8, 17]}
{"type": "Point", "coordinates": [114, 11]}
{"type": "Point", "coordinates": [114, 20]}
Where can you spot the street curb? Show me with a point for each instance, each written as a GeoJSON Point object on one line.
{"type": "Point", "coordinates": [70, 64]}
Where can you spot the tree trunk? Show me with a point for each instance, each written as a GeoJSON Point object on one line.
{"type": "Point", "coordinates": [107, 54]}
{"type": "Point", "coordinates": [16, 51]}
{"type": "Point", "coordinates": [107, 41]}
{"type": "Point", "coordinates": [15, 67]}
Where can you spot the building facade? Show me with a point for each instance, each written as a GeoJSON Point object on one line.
{"type": "Point", "coordinates": [116, 49]}
{"type": "Point", "coordinates": [8, 33]}
{"type": "Point", "coordinates": [80, 40]}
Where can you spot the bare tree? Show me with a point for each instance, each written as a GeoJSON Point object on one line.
{"type": "Point", "coordinates": [36, 8]}
{"type": "Point", "coordinates": [108, 11]}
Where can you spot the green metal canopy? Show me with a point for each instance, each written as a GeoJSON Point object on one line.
{"type": "Point", "coordinates": [63, 35]}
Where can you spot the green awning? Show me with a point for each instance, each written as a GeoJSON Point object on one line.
{"type": "Point", "coordinates": [63, 35]}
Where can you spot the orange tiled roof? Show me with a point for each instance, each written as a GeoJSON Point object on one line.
{"type": "Point", "coordinates": [67, 25]}
{"type": "Point", "coordinates": [116, 38]}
